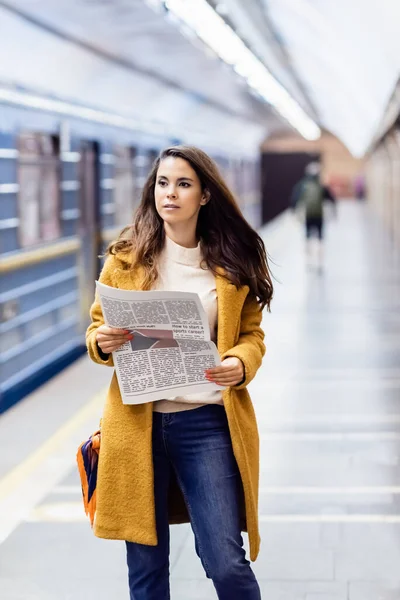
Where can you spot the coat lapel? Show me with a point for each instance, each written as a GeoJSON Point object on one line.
{"type": "Point", "coordinates": [230, 304]}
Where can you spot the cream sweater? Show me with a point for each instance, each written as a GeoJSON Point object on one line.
{"type": "Point", "coordinates": [180, 271]}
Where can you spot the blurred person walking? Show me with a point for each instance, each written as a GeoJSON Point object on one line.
{"type": "Point", "coordinates": [309, 196]}
{"type": "Point", "coordinates": [359, 187]}
{"type": "Point", "coordinates": [192, 458]}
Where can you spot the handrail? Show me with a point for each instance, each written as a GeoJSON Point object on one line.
{"type": "Point", "coordinates": [109, 235]}
{"type": "Point", "coordinates": [26, 258]}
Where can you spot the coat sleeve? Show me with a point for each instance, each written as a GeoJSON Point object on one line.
{"type": "Point", "coordinates": [250, 347]}
{"type": "Point", "coordinates": [96, 315]}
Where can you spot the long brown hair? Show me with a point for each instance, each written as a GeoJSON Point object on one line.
{"type": "Point", "coordinates": [226, 239]}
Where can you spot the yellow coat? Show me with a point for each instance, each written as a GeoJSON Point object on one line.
{"type": "Point", "coordinates": [125, 496]}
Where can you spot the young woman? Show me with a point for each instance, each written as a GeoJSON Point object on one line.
{"type": "Point", "coordinates": [194, 457]}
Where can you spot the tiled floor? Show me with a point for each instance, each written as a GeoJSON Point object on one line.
{"type": "Point", "coordinates": [328, 404]}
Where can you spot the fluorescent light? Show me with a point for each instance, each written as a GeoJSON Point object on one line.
{"type": "Point", "coordinates": [215, 33]}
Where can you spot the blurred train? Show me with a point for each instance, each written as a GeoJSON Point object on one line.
{"type": "Point", "coordinates": [67, 187]}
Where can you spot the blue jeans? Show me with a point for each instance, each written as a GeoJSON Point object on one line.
{"type": "Point", "coordinates": [196, 445]}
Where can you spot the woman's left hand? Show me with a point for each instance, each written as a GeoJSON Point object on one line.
{"type": "Point", "coordinates": [229, 373]}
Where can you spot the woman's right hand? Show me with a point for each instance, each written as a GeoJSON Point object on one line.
{"type": "Point", "coordinates": [110, 339]}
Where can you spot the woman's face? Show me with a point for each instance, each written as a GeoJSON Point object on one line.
{"type": "Point", "coordinates": [178, 192]}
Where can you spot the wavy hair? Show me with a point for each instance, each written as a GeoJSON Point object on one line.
{"type": "Point", "coordinates": [227, 241]}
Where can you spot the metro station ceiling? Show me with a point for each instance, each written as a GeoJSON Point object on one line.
{"type": "Point", "coordinates": [347, 54]}
{"type": "Point", "coordinates": [120, 55]}
{"type": "Point", "coordinates": [339, 61]}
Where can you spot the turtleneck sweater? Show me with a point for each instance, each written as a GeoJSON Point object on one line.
{"type": "Point", "coordinates": [180, 270]}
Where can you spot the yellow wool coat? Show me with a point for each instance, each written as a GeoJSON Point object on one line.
{"type": "Point", "coordinates": [125, 484]}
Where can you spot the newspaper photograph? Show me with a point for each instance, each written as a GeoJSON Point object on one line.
{"type": "Point", "coordinates": [171, 346]}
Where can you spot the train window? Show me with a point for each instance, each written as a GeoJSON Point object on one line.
{"type": "Point", "coordinates": [238, 180]}
{"type": "Point", "coordinates": [50, 196]}
{"type": "Point", "coordinates": [141, 165]}
{"type": "Point", "coordinates": [230, 175]}
{"type": "Point", "coordinates": [29, 190]}
{"type": "Point", "coordinates": [153, 154]}
{"type": "Point", "coordinates": [39, 196]}
{"type": "Point", "coordinates": [123, 185]}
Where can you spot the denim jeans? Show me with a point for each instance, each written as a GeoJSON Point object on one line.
{"type": "Point", "coordinates": [196, 445]}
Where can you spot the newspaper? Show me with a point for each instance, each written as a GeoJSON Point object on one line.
{"type": "Point", "coordinates": [171, 345]}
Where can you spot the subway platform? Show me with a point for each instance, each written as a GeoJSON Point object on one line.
{"type": "Point", "coordinates": [328, 404]}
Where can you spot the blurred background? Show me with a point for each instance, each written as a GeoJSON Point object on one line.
{"type": "Point", "coordinates": [90, 92]}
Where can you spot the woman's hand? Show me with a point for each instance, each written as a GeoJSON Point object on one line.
{"type": "Point", "coordinates": [110, 339]}
{"type": "Point", "coordinates": [231, 372]}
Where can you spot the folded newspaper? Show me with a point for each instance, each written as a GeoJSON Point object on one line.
{"type": "Point", "coordinates": [171, 345]}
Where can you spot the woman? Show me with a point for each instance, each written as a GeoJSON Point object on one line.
{"type": "Point", "coordinates": [194, 457]}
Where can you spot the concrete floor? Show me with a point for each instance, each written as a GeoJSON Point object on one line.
{"type": "Point", "coordinates": [328, 404]}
